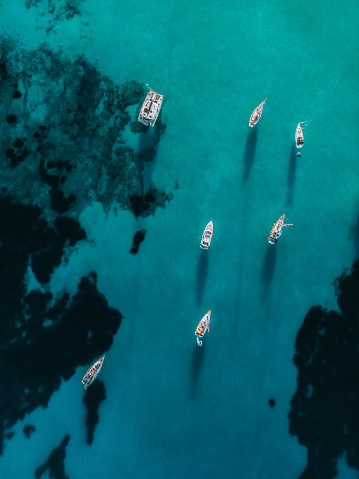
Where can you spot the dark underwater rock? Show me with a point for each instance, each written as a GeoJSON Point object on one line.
{"type": "Point", "coordinates": [271, 402]}
{"type": "Point", "coordinates": [137, 240]}
{"type": "Point", "coordinates": [94, 395]}
{"type": "Point", "coordinates": [11, 119]}
{"type": "Point", "coordinates": [62, 147]}
{"type": "Point", "coordinates": [29, 429]}
{"type": "Point", "coordinates": [55, 462]}
{"type": "Point", "coordinates": [147, 204]}
{"type": "Point", "coordinates": [324, 409]}
{"type": "Point", "coordinates": [43, 339]}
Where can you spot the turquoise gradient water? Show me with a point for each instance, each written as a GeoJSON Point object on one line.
{"type": "Point", "coordinates": [173, 410]}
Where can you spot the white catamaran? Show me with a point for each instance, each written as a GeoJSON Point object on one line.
{"type": "Point", "coordinates": [207, 236]}
{"type": "Point", "coordinates": [299, 136]}
{"type": "Point", "coordinates": [150, 108]}
{"type": "Point", "coordinates": [202, 327]}
{"type": "Point", "coordinates": [92, 373]}
{"type": "Point", "coordinates": [277, 230]}
{"type": "Point", "coordinates": [255, 116]}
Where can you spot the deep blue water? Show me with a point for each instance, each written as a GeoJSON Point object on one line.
{"type": "Point", "coordinates": [273, 391]}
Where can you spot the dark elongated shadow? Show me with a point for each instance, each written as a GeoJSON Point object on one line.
{"type": "Point", "coordinates": [292, 165]}
{"type": "Point", "coordinates": [147, 155]}
{"type": "Point", "coordinates": [268, 269]}
{"type": "Point", "coordinates": [202, 271]}
{"type": "Point", "coordinates": [196, 366]}
{"type": "Point", "coordinates": [249, 152]}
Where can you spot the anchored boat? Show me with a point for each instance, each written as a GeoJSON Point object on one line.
{"type": "Point", "coordinates": [150, 108]}
{"type": "Point", "coordinates": [202, 327]}
{"type": "Point", "coordinates": [277, 230]}
{"type": "Point", "coordinates": [255, 116]}
{"type": "Point", "coordinates": [299, 136]}
{"type": "Point", "coordinates": [92, 373]}
{"type": "Point", "coordinates": [207, 236]}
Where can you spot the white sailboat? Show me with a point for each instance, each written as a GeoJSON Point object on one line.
{"type": "Point", "coordinates": [255, 116]}
{"type": "Point", "coordinates": [277, 230]}
{"type": "Point", "coordinates": [92, 373]}
{"type": "Point", "coordinates": [299, 135]}
{"type": "Point", "coordinates": [203, 326]}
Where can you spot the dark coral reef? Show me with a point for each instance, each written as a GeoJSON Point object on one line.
{"type": "Point", "coordinates": [137, 240]}
{"type": "Point", "coordinates": [92, 399]}
{"type": "Point", "coordinates": [55, 463]}
{"type": "Point", "coordinates": [62, 147]}
{"type": "Point", "coordinates": [54, 11]}
{"type": "Point", "coordinates": [29, 429]}
{"type": "Point", "coordinates": [62, 126]}
{"type": "Point", "coordinates": [43, 339]}
{"type": "Point", "coordinates": [324, 411]}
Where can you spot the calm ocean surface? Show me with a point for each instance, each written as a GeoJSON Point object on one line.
{"type": "Point", "coordinates": [173, 410]}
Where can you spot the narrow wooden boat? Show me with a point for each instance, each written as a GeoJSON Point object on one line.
{"type": "Point", "coordinates": [92, 373]}
{"type": "Point", "coordinates": [277, 230]}
{"type": "Point", "coordinates": [255, 116]}
{"type": "Point", "coordinates": [207, 236]}
{"type": "Point", "coordinates": [203, 326]}
{"type": "Point", "coordinates": [150, 108]}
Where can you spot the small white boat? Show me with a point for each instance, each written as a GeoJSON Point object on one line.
{"type": "Point", "coordinates": [207, 236]}
{"type": "Point", "coordinates": [255, 116]}
{"type": "Point", "coordinates": [150, 108]}
{"type": "Point", "coordinates": [277, 230]}
{"type": "Point", "coordinates": [92, 373]}
{"type": "Point", "coordinates": [299, 135]}
{"type": "Point", "coordinates": [202, 327]}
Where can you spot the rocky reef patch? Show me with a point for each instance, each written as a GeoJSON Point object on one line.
{"type": "Point", "coordinates": [324, 412]}
{"type": "Point", "coordinates": [137, 240]}
{"type": "Point", "coordinates": [54, 11]}
{"type": "Point", "coordinates": [93, 397]}
{"type": "Point", "coordinates": [55, 463]}
{"type": "Point", "coordinates": [62, 132]}
{"type": "Point", "coordinates": [29, 429]}
{"type": "Point", "coordinates": [42, 338]}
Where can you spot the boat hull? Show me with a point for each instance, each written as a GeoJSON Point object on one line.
{"type": "Point", "coordinates": [203, 325]}
{"type": "Point", "coordinates": [151, 108]}
{"type": "Point", "coordinates": [255, 116]}
{"type": "Point", "coordinates": [207, 236]}
{"type": "Point", "coordinates": [92, 372]}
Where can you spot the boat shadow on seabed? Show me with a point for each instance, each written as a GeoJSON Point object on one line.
{"type": "Point", "coordinates": [202, 271]}
{"type": "Point", "coordinates": [249, 152]}
{"type": "Point", "coordinates": [291, 175]}
{"type": "Point", "coordinates": [196, 366]}
{"type": "Point", "coordinates": [268, 269]}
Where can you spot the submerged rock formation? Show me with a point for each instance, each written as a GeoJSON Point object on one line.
{"type": "Point", "coordinates": [61, 148]}
{"type": "Point", "coordinates": [137, 240]}
{"type": "Point", "coordinates": [55, 462]}
{"type": "Point", "coordinates": [29, 429]}
{"type": "Point", "coordinates": [61, 128]}
{"type": "Point", "coordinates": [43, 339]}
{"type": "Point", "coordinates": [324, 409]}
{"type": "Point", "coordinates": [93, 397]}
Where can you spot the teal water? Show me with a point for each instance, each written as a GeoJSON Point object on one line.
{"type": "Point", "coordinates": [173, 410]}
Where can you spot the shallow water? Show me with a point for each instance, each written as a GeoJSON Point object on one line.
{"type": "Point", "coordinates": [172, 409]}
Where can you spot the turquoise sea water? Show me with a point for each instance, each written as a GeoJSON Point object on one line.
{"type": "Point", "coordinates": [174, 410]}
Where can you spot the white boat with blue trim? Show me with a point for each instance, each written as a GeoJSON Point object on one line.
{"type": "Point", "coordinates": [92, 373]}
